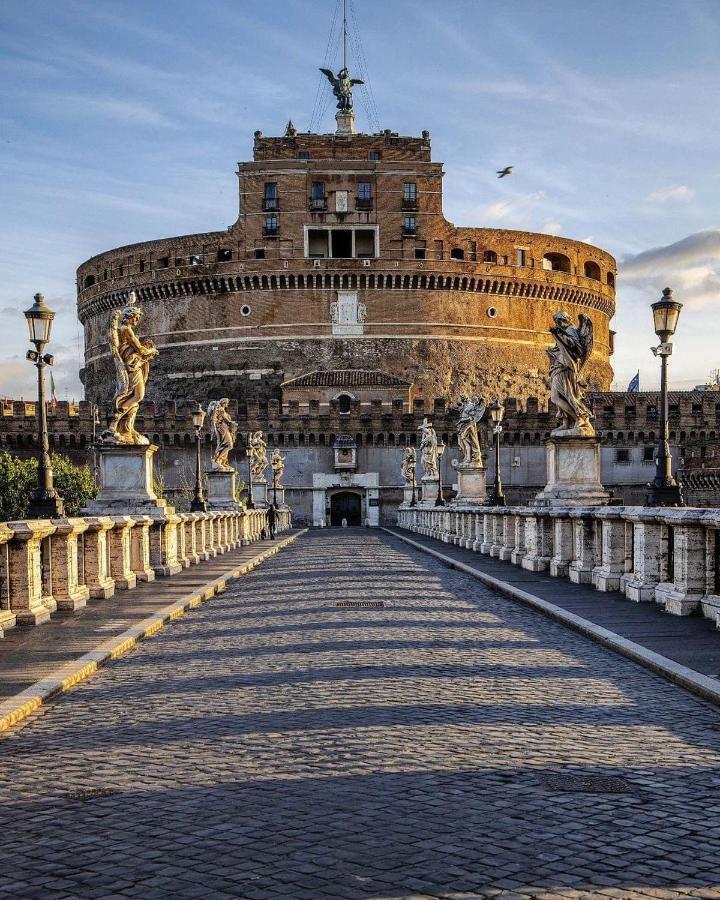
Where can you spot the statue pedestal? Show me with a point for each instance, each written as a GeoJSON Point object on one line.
{"type": "Point", "coordinates": [126, 476]}
{"type": "Point", "coordinates": [345, 122]}
{"type": "Point", "coordinates": [408, 494]}
{"type": "Point", "coordinates": [260, 493]}
{"type": "Point", "coordinates": [471, 483]}
{"type": "Point", "coordinates": [573, 473]}
{"type": "Point", "coordinates": [430, 487]}
{"type": "Point", "coordinates": [278, 494]}
{"type": "Point", "coordinates": [220, 492]}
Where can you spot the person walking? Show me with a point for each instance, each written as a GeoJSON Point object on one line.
{"type": "Point", "coordinates": [272, 520]}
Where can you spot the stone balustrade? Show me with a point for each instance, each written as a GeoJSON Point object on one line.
{"type": "Point", "coordinates": [51, 564]}
{"type": "Point", "coordinates": [666, 556]}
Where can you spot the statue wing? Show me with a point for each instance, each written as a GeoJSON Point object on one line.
{"type": "Point", "coordinates": [479, 408]}
{"type": "Point", "coordinates": [354, 81]}
{"type": "Point", "coordinates": [585, 331]}
{"type": "Point", "coordinates": [212, 407]}
{"type": "Point", "coordinates": [329, 75]}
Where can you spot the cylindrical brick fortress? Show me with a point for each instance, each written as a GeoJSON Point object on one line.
{"type": "Point", "coordinates": [341, 259]}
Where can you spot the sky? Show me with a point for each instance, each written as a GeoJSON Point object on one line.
{"type": "Point", "coordinates": [123, 121]}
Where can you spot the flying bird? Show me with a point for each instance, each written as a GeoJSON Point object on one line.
{"type": "Point", "coordinates": [506, 171]}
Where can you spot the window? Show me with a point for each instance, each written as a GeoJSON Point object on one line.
{"type": "Point", "coordinates": [341, 243]}
{"type": "Point", "coordinates": [304, 154]}
{"type": "Point", "coordinates": [490, 256]}
{"type": "Point", "coordinates": [318, 199]}
{"type": "Point", "coordinates": [592, 270]}
{"type": "Point", "coordinates": [163, 263]}
{"type": "Point", "coordinates": [409, 191]}
{"type": "Point", "coordinates": [270, 196]}
{"type": "Point", "coordinates": [195, 260]}
{"type": "Point", "coordinates": [374, 156]}
{"type": "Point", "coordinates": [611, 279]}
{"type": "Point", "coordinates": [142, 265]}
{"type": "Point", "coordinates": [224, 254]}
{"type": "Point", "coordinates": [259, 253]}
{"type": "Point", "coordinates": [457, 253]}
{"type": "Point", "coordinates": [89, 280]}
{"type": "Point", "coordinates": [556, 262]}
{"type": "Point", "coordinates": [419, 253]}
{"type": "Point", "coordinates": [622, 456]}
{"type": "Point", "coordinates": [648, 454]}
{"type": "Point", "coordinates": [364, 190]}
{"type": "Point", "coordinates": [409, 225]}
{"type": "Point", "coordinates": [105, 274]}
{"type": "Point", "coordinates": [271, 226]}
{"type": "Point", "coordinates": [344, 402]}
{"type": "Point", "coordinates": [521, 257]}
{"type": "Point", "coordinates": [245, 310]}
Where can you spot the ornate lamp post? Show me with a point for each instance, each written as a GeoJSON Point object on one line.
{"type": "Point", "coordinates": [95, 423]}
{"type": "Point", "coordinates": [440, 500]}
{"type": "Point", "coordinates": [45, 502]}
{"type": "Point", "coordinates": [198, 503]}
{"type": "Point", "coordinates": [250, 501]}
{"type": "Point", "coordinates": [275, 478]}
{"type": "Point", "coordinates": [413, 498]}
{"type": "Point", "coordinates": [497, 411]}
{"type": "Point", "coordinates": [664, 489]}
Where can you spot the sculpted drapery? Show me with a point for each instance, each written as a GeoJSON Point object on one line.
{"type": "Point", "coordinates": [567, 387]}
{"type": "Point", "coordinates": [224, 432]}
{"type": "Point", "coordinates": [471, 410]}
{"type": "Point", "coordinates": [132, 364]}
{"type": "Point", "coordinates": [257, 455]}
{"type": "Point", "coordinates": [407, 468]}
{"type": "Point", "coordinates": [428, 449]}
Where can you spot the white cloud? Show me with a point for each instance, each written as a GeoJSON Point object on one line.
{"type": "Point", "coordinates": [690, 266]}
{"type": "Point", "coordinates": [551, 227]}
{"type": "Point", "coordinates": [512, 209]}
{"type": "Point", "coordinates": [680, 192]}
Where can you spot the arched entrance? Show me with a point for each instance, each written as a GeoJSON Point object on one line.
{"type": "Point", "coordinates": [345, 505]}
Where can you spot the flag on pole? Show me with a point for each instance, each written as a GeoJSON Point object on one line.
{"type": "Point", "coordinates": [53, 395]}
{"type": "Point", "coordinates": [634, 386]}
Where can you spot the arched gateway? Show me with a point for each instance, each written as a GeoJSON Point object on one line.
{"type": "Point", "coordinates": [346, 505]}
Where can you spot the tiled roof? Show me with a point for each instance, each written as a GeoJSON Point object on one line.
{"type": "Point", "coordinates": [347, 378]}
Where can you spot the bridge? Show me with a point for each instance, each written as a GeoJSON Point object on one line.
{"type": "Point", "coordinates": [355, 717]}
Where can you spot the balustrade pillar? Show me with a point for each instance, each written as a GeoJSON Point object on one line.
{"type": "Point", "coordinates": [487, 540]}
{"type": "Point", "coordinates": [164, 545]}
{"type": "Point", "coordinates": [647, 557]}
{"type": "Point", "coordinates": [509, 520]}
{"type": "Point", "coordinates": [608, 574]}
{"type": "Point", "coordinates": [31, 599]}
{"type": "Point", "coordinates": [120, 552]}
{"type": "Point", "coordinates": [683, 586]}
{"type": "Point", "coordinates": [538, 542]}
{"type": "Point", "coordinates": [563, 547]}
{"type": "Point", "coordinates": [7, 616]}
{"type": "Point", "coordinates": [68, 569]}
{"type": "Point", "coordinates": [140, 549]}
{"type": "Point", "coordinates": [97, 557]}
{"type": "Point", "coordinates": [479, 531]}
{"type": "Point", "coordinates": [498, 533]}
{"type": "Point", "coordinates": [585, 551]}
{"type": "Point", "coordinates": [520, 549]}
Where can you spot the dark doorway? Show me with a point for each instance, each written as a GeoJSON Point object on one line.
{"type": "Point", "coordinates": [345, 505]}
{"type": "Point", "coordinates": [341, 243]}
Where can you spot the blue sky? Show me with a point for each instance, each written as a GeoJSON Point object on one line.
{"type": "Point", "coordinates": [123, 120]}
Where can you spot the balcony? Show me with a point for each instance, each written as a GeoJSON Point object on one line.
{"type": "Point", "coordinates": [270, 204]}
{"type": "Point", "coordinates": [271, 232]}
{"type": "Point", "coordinates": [409, 231]}
{"type": "Point", "coordinates": [409, 204]}
{"type": "Point", "coordinates": [318, 204]}
{"type": "Point", "coordinates": [364, 204]}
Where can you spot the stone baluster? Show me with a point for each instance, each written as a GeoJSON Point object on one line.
{"type": "Point", "coordinates": [190, 525]}
{"type": "Point", "coordinates": [563, 547]}
{"type": "Point", "coordinates": [7, 616]}
{"type": "Point", "coordinates": [487, 541]}
{"type": "Point", "coordinates": [140, 549]}
{"type": "Point", "coordinates": [498, 532]}
{"type": "Point", "coordinates": [585, 550]}
{"type": "Point", "coordinates": [164, 544]}
{"type": "Point", "coordinates": [520, 549]}
{"type": "Point", "coordinates": [608, 574]}
{"type": "Point", "coordinates": [711, 600]}
{"type": "Point", "coordinates": [31, 600]}
{"type": "Point", "coordinates": [478, 531]}
{"type": "Point", "coordinates": [682, 590]}
{"type": "Point", "coordinates": [508, 536]}
{"type": "Point", "coordinates": [67, 569]}
{"type": "Point", "coordinates": [97, 557]}
{"type": "Point", "coordinates": [538, 542]}
{"type": "Point", "coordinates": [183, 548]}
{"type": "Point", "coordinates": [120, 552]}
{"type": "Point", "coordinates": [647, 555]}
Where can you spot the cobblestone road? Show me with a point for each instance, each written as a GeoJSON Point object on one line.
{"type": "Point", "coordinates": [449, 744]}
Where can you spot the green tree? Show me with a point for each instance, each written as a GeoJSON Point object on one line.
{"type": "Point", "coordinates": [18, 479]}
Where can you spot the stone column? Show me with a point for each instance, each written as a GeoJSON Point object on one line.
{"type": "Point", "coordinates": [647, 570]}
{"type": "Point", "coordinates": [498, 532]}
{"type": "Point", "coordinates": [684, 586]}
{"type": "Point", "coordinates": [562, 542]}
{"type": "Point", "coordinates": [120, 542]}
{"type": "Point", "coordinates": [163, 545]}
{"type": "Point", "coordinates": [479, 531]}
{"type": "Point", "coordinates": [97, 557]}
{"type": "Point", "coordinates": [520, 548]}
{"type": "Point", "coordinates": [508, 537]}
{"type": "Point", "coordinates": [30, 600]}
{"type": "Point", "coordinates": [585, 552]}
{"type": "Point", "coordinates": [68, 577]}
{"type": "Point", "coordinates": [7, 616]}
{"type": "Point", "coordinates": [607, 576]}
{"type": "Point", "coordinates": [538, 542]}
{"type": "Point", "coordinates": [488, 527]}
{"type": "Point", "coordinates": [140, 549]}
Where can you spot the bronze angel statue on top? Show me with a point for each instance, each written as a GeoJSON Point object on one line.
{"type": "Point", "coordinates": [572, 350]}
{"type": "Point", "coordinates": [132, 364]}
{"type": "Point", "coordinates": [342, 87]}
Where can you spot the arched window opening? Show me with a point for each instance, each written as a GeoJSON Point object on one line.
{"type": "Point", "coordinates": [490, 256]}
{"type": "Point", "coordinates": [611, 279]}
{"type": "Point", "coordinates": [592, 270]}
{"type": "Point", "coordinates": [556, 262]}
{"type": "Point", "coordinates": [344, 402]}
{"type": "Point", "coordinates": [457, 253]}
{"type": "Point", "coordinates": [89, 280]}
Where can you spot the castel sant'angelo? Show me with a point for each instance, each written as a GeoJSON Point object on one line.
{"type": "Point", "coordinates": [342, 259]}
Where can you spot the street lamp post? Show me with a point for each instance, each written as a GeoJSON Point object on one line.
{"type": "Point", "coordinates": [95, 423]}
{"type": "Point", "coordinates": [198, 503]}
{"type": "Point", "coordinates": [275, 478]}
{"type": "Point", "coordinates": [45, 502]}
{"type": "Point", "coordinates": [664, 490]}
{"type": "Point", "coordinates": [440, 500]}
{"type": "Point", "coordinates": [413, 497]}
{"type": "Point", "coordinates": [497, 411]}
{"type": "Point", "coordinates": [250, 502]}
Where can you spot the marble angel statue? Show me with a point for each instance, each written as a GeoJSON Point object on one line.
{"type": "Point", "coordinates": [224, 432]}
{"type": "Point", "coordinates": [428, 449]}
{"type": "Point", "coordinates": [257, 454]}
{"type": "Point", "coordinates": [407, 468]}
{"type": "Point", "coordinates": [277, 464]}
{"type": "Point", "coordinates": [471, 410]}
{"type": "Point", "coordinates": [572, 349]}
{"type": "Point", "coordinates": [132, 364]}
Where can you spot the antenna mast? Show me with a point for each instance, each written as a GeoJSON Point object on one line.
{"type": "Point", "coordinates": [344, 34]}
